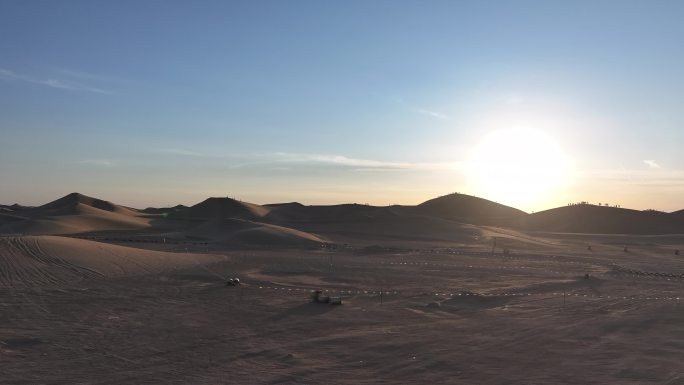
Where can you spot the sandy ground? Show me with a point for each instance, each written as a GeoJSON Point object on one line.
{"type": "Point", "coordinates": [460, 316]}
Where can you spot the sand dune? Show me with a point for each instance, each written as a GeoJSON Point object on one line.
{"type": "Point", "coordinates": [41, 260]}
{"type": "Point", "coordinates": [678, 213]}
{"type": "Point", "coordinates": [452, 310]}
{"type": "Point", "coordinates": [75, 203]}
{"type": "Point", "coordinates": [5, 209]}
{"type": "Point", "coordinates": [391, 230]}
{"type": "Point", "coordinates": [592, 219]}
{"type": "Point", "coordinates": [219, 208]}
{"type": "Point", "coordinates": [298, 212]}
{"type": "Point", "coordinates": [294, 223]}
{"type": "Point", "coordinates": [74, 213]}
{"type": "Point", "coordinates": [164, 210]}
{"type": "Point", "coordinates": [250, 233]}
{"type": "Point", "coordinates": [470, 209]}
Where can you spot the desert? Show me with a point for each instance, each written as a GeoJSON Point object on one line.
{"type": "Point", "coordinates": [342, 192]}
{"type": "Point", "coordinates": [93, 292]}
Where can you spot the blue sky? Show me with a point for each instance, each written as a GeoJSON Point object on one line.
{"type": "Point", "coordinates": [163, 102]}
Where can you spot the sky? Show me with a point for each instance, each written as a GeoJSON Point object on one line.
{"type": "Point", "coordinates": [533, 104]}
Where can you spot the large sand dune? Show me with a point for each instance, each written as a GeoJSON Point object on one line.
{"type": "Point", "coordinates": [470, 209]}
{"type": "Point", "coordinates": [591, 219]}
{"type": "Point", "coordinates": [74, 213]}
{"type": "Point", "coordinates": [75, 203]}
{"type": "Point", "coordinates": [220, 208]}
{"type": "Point", "coordinates": [243, 232]}
{"type": "Point", "coordinates": [41, 260]}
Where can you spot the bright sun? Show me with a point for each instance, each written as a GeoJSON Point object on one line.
{"type": "Point", "coordinates": [520, 167]}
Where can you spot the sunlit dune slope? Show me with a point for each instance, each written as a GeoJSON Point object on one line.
{"type": "Point", "coordinates": [74, 203]}
{"type": "Point", "coordinates": [251, 233]}
{"type": "Point", "coordinates": [74, 213]}
{"type": "Point", "coordinates": [33, 260]}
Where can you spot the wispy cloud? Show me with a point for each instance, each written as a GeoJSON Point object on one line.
{"type": "Point", "coordinates": [97, 162]}
{"type": "Point", "coordinates": [291, 160]}
{"type": "Point", "coordinates": [62, 84]}
{"type": "Point", "coordinates": [365, 164]}
{"type": "Point", "coordinates": [182, 152]}
{"type": "Point", "coordinates": [652, 163]}
{"type": "Point", "coordinates": [433, 114]}
{"type": "Point", "coordinates": [419, 110]}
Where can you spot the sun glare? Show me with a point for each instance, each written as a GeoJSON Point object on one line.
{"type": "Point", "coordinates": [519, 167]}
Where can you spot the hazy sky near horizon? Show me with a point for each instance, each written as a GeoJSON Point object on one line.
{"type": "Point", "coordinates": [533, 104]}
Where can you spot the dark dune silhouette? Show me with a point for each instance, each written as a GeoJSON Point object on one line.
{"type": "Point", "coordinates": [163, 210]}
{"type": "Point", "coordinates": [439, 218]}
{"type": "Point", "coordinates": [71, 204]}
{"type": "Point", "coordinates": [221, 208]}
{"type": "Point", "coordinates": [471, 209]}
{"type": "Point", "coordinates": [591, 219]}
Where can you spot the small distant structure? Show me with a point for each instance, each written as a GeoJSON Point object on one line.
{"type": "Point", "coordinates": [318, 297]}
{"type": "Point", "coordinates": [677, 252]}
{"type": "Point", "coordinates": [589, 248]}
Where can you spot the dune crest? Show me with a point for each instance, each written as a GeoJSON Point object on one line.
{"type": "Point", "coordinates": [72, 214]}
{"type": "Point", "coordinates": [220, 208]}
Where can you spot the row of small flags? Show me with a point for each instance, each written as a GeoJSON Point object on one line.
{"type": "Point", "coordinates": [536, 258]}
{"type": "Point", "coordinates": [432, 264]}
{"type": "Point", "coordinates": [525, 257]}
{"type": "Point", "coordinates": [679, 279]}
{"type": "Point", "coordinates": [451, 295]}
{"type": "Point", "coordinates": [358, 292]}
{"type": "Point", "coordinates": [558, 295]}
{"type": "Point", "coordinates": [670, 277]}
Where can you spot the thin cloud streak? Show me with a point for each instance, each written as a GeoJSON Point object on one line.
{"type": "Point", "coordinates": [97, 162]}
{"type": "Point", "coordinates": [356, 164]}
{"type": "Point", "coordinates": [367, 164]}
{"type": "Point", "coordinates": [182, 152]}
{"type": "Point", "coordinates": [433, 114]}
{"type": "Point", "coordinates": [52, 83]}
